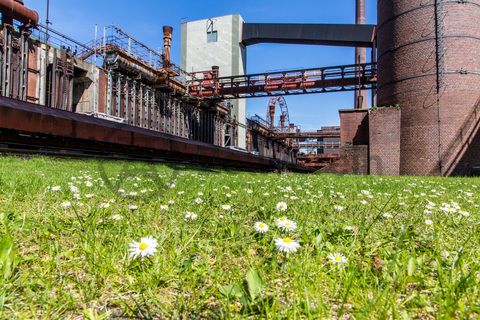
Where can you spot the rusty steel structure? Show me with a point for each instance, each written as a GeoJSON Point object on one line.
{"type": "Point", "coordinates": [116, 95]}
{"type": "Point", "coordinates": [210, 85]}
{"type": "Point", "coordinates": [284, 115]}
{"type": "Point", "coordinates": [135, 104]}
{"type": "Point", "coordinates": [16, 10]}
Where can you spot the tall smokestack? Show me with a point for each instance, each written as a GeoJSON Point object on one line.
{"type": "Point", "coordinates": [167, 43]}
{"type": "Point", "coordinates": [360, 55]}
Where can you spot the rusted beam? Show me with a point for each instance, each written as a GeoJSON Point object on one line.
{"type": "Point", "coordinates": [15, 9]}
{"type": "Point", "coordinates": [78, 129]}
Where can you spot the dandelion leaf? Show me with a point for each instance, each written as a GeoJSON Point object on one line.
{"type": "Point", "coordinates": [231, 291]}
{"type": "Point", "coordinates": [254, 283]}
{"type": "Point", "coordinates": [8, 257]}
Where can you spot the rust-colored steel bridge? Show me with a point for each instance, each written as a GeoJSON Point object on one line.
{"type": "Point", "coordinates": [209, 85]}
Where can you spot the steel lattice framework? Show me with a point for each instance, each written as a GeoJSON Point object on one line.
{"type": "Point", "coordinates": [208, 84]}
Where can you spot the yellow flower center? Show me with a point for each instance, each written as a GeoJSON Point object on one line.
{"type": "Point", "coordinates": [283, 219]}
{"type": "Point", "coordinates": [338, 259]}
{"type": "Point", "coordinates": [143, 246]}
{"type": "Point", "coordinates": [261, 226]}
{"type": "Point", "coordinates": [287, 240]}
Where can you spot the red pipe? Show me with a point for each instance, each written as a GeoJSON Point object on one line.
{"type": "Point", "coordinates": [14, 9]}
{"type": "Point", "coordinates": [167, 43]}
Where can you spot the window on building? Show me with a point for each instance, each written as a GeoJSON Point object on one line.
{"type": "Point", "coordinates": [212, 36]}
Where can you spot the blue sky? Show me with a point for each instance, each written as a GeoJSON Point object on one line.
{"type": "Point", "coordinates": [144, 20]}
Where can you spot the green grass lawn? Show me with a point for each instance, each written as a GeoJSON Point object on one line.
{"type": "Point", "coordinates": [369, 247]}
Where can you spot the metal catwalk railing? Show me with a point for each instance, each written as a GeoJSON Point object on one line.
{"type": "Point", "coordinates": [317, 145]}
{"type": "Point", "coordinates": [209, 85]}
{"type": "Point", "coordinates": [114, 38]}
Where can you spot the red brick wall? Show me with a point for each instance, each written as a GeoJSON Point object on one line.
{"type": "Point", "coordinates": [353, 127]}
{"type": "Point", "coordinates": [384, 124]}
{"type": "Point", "coordinates": [407, 64]}
{"type": "Point", "coordinates": [354, 160]}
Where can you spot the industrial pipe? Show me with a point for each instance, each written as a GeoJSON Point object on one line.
{"type": "Point", "coordinates": [14, 9]}
{"type": "Point", "coordinates": [167, 43]}
{"type": "Point", "coordinates": [360, 55]}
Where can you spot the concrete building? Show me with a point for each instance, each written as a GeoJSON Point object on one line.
{"type": "Point", "coordinates": [217, 42]}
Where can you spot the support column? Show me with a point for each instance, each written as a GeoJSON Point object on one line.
{"type": "Point", "coordinates": [360, 55]}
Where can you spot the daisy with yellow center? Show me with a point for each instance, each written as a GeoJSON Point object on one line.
{"type": "Point", "coordinates": [287, 245]}
{"type": "Point", "coordinates": [117, 217]}
{"type": "Point", "coordinates": [226, 207]}
{"type": "Point", "coordinates": [287, 225]}
{"type": "Point", "coordinates": [282, 206]}
{"type": "Point", "coordinates": [190, 216]}
{"type": "Point", "coordinates": [281, 221]}
{"type": "Point", "coordinates": [337, 258]}
{"type": "Point", "coordinates": [261, 227]}
{"type": "Point", "coordinates": [147, 246]}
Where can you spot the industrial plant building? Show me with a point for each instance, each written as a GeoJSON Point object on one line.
{"type": "Point", "coordinates": [117, 97]}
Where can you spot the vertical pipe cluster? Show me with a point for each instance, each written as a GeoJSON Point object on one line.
{"type": "Point", "coordinates": [142, 105]}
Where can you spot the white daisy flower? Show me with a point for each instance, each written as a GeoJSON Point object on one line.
{"type": "Point", "coordinates": [55, 188]}
{"type": "Point", "coordinates": [171, 202]}
{"type": "Point", "coordinates": [281, 221]}
{"type": "Point", "coordinates": [261, 227]}
{"type": "Point", "coordinates": [74, 189]}
{"type": "Point", "coordinates": [198, 201]}
{"type": "Point", "coordinates": [132, 207]}
{"type": "Point", "coordinates": [163, 207]}
{"type": "Point", "coordinates": [226, 207]}
{"type": "Point", "coordinates": [365, 192]}
{"type": "Point", "coordinates": [387, 216]}
{"type": "Point", "coordinates": [145, 247]}
{"type": "Point", "coordinates": [464, 213]}
{"type": "Point", "coordinates": [104, 205]}
{"type": "Point", "coordinates": [89, 196]}
{"type": "Point", "coordinates": [288, 225]}
{"type": "Point", "coordinates": [337, 258]}
{"type": "Point", "coordinates": [287, 244]}
{"type": "Point", "coordinates": [191, 216]}
{"type": "Point", "coordinates": [66, 204]}
{"type": "Point", "coordinates": [180, 192]}
{"type": "Point", "coordinates": [88, 184]}
{"type": "Point", "coordinates": [282, 206]}
{"type": "Point", "coordinates": [363, 202]}
{"type": "Point", "coordinates": [338, 208]}
{"type": "Point", "coordinates": [133, 194]}
{"type": "Point", "coordinates": [117, 217]}
{"type": "Point", "coordinates": [428, 222]}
